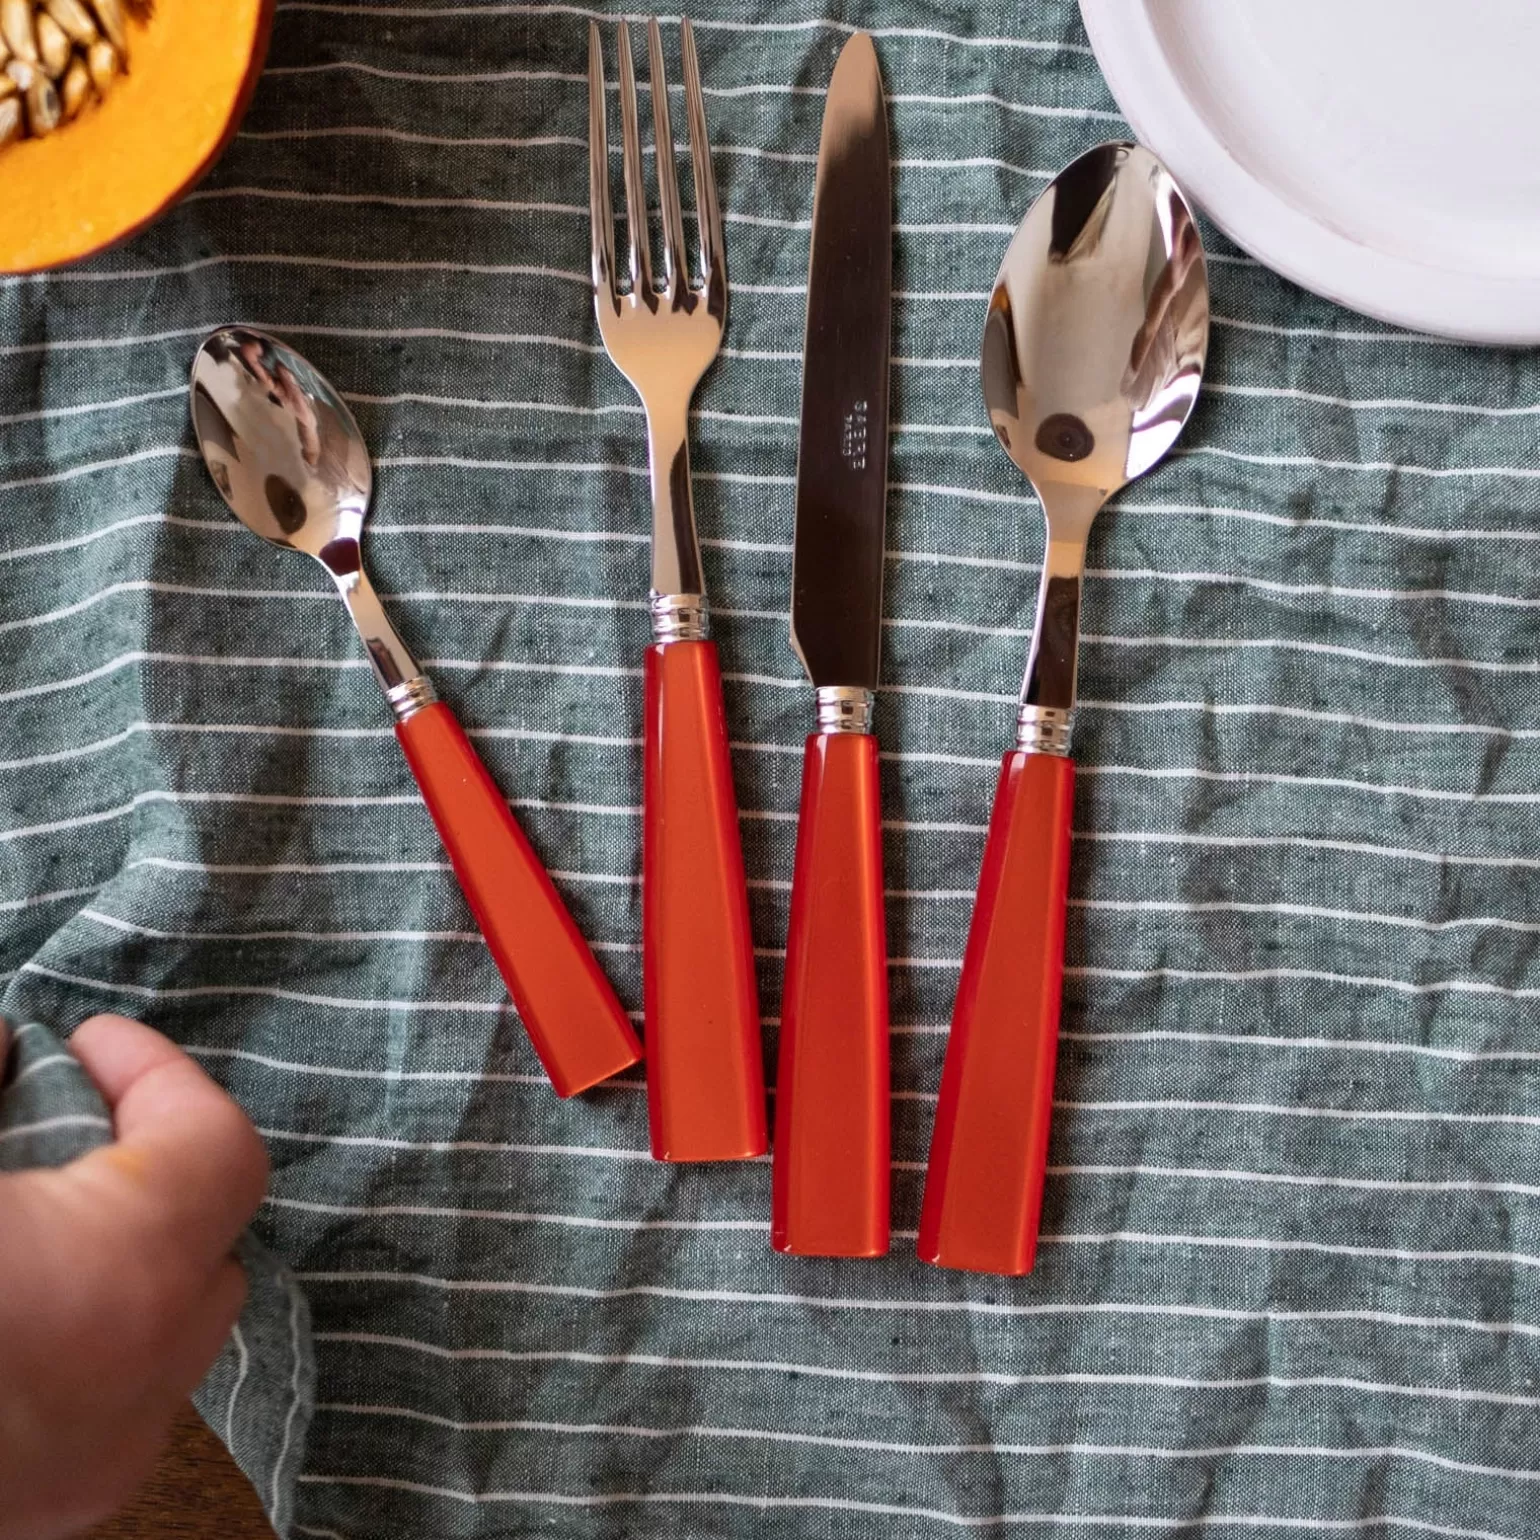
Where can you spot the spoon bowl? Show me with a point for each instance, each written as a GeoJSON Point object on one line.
{"type": "Point", "coordinates": [280, 443]}
{"type": "Point", "coordinates": [1097, 329]}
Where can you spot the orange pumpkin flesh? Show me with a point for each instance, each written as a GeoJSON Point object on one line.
{"type": "Point", "coordinates": [192, 68]}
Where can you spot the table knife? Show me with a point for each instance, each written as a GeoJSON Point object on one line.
{"type": "Point", "coordinates": [830, 1172]}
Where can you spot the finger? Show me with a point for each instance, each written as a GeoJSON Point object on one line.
{"type": "Point", "coordinates": [187, 1165]}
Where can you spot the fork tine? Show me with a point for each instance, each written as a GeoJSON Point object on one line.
{"type": "Point", "coordinates": [600, 212]}
{"type": "Point", "coordinates": [636, 186]}
{"type": "Point", "coordinates": [674, 263]}
{"type": "Point", "coordinates": [713, 254]}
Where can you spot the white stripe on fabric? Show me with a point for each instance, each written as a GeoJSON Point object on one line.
{"type": "Point", "coordinates": [1303, 975]}
{"type": "Point", "coordinates": [1294, 911]}
{"type": "Point", "coordinates": [1330, 782]}
{"type": "Point", "coordinates": [89, 408]}
{"type": "Point", "coordinates": [261, 992]}
{"type": "Point", "coordinates": [812, 24]}
{"type": "Point", "coordinates": [276, 1494]}
{"type": "Point", "coordinates": [1266, 1041]}
{"type": "Point", "coordinates": [773, 1502]}
{"type": "Point", "coordinates": [45, 1063]}
{"type": "Point", "coordinates": [1451, 1255]}
{"type": "Point", "coordinates": [1294, 1179]}
{"type": "Point", "coordinates": [1222, 709]}
{"type": "Point", "coordinates": [238, 1337]}
{"type": "Point", "coordinates": [47, 1125]}
{"type": "Point", "coordinates": [1225, 1315]}
{"type": "Point", "coordinates": [912, 1306]}
{"type": "Point", "coordinates": [513, 1216]}
{"type": "Point", "coordinates": [887, 1446]}
{"type": "Point", "coordinates": [457, 1146]}
{"type": "Point", "coordinates": [1368, 404]}
{"type": "Point", "coordinates": [1379, 529]}
{"type": "Point", "coordinates": [1325, 649]}
{"type": "Point", "coordinates": [1382, 467]}
{"type": "Point", "coordinates": [349, 1072]}
{"type": "Point", "coordinates": [1160, 837]}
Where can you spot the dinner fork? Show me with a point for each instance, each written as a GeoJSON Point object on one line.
{"type": "Point", "coordinates": [705, 1078]}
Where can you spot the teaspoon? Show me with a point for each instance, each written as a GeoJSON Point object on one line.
{"type": "Point", "coordinates": [1092, 354]}
{"type": "Point", "coordinates": [289, 459]}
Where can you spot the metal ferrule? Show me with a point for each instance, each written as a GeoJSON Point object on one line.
{"type": "Point", "coordinates": [678, 618]}
{"type": "Point", "coordinates": [411, 696]}
{"type": "Point", "coordinates": [1044, 730]}
{"type": "Point", "coordinates": [843, 709]}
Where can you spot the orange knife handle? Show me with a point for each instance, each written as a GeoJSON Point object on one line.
{"type": "Point", "coordinates": [705, 1065]}
{"type": "Point", "coordinates": [576, 1024]}
{"type": "Point", "coordinates": [989, 1150]}
{"type": "Point", "coordinates": [830, 1174]}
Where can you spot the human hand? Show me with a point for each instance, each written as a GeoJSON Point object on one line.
{"type": "Point", "coordinates": [117, 1283]}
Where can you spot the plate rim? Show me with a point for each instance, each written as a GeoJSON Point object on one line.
{"type": "Point", "coordinates": [1441, 302]}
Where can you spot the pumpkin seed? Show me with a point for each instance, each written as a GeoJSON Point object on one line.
{"type": "Point", "coordinates": [75, 89]}
{"type": "Point", "coordinates": [16, 24]}
{"type": "Point", "coordinates": [110, 14]}
{"type": "Point", "coordinates": [57, 57]}
{"type": "Point", "coordinates": [74, 18]}
{"type": "Point", "coordinates": [103, 64]}
{"type": "Point", "coordinates": [53, 45]}
{"type": "Point", "coordinates": [44, 111]}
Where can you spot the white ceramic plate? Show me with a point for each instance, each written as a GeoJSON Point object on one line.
{"type": "Point", "coordinates": [1384, 153]}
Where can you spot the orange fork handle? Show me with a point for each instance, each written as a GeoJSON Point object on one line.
{"type": "Point", "coordinates": [705, 1065]}
{"type": "Point", "coordinates": [830, 1173]}
{"type": "Point", "coordinates": [576, 1024]}
{"type": "Point", "coordinates": [989, 1150]}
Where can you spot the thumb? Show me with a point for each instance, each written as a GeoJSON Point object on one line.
{"type": "Point", "coordinates": [187, 1168]}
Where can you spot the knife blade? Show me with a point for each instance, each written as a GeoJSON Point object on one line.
{"type": "Point", "coordinates": [830, 1168]}
{"type": "Point", "coordinates": [842, 461]}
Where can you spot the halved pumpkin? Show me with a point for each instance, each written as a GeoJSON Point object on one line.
{"type": "Point", "coordinates": [93, 182]}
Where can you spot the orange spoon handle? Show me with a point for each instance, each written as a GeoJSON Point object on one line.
{"type": "Point", "coordinates": [705, 1065]}
{"type": "Point", "coordinates": [569, 1010]}
{"type": "Point", "coordinates": [830, 1174]}
{"type": "Point", "coordinates": [989, 1150]}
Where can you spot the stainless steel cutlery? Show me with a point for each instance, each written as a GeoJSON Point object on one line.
{"type": "Point", "coordinates": [1093, 350]}
{"type": "Point", "coordinates": [831, 1169]}
{"type": "Point", "coordinates": [287, 456]}
{"type": "Point", "coordinates": [705, 1075]}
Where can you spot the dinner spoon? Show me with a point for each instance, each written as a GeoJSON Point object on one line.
{"type": "Point", "coordinates": [289, 459]}
{"type": "Point", "coordinates": [1092, 355]}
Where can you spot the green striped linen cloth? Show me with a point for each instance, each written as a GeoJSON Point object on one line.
{"type": "Point", "coordinates": [1290, 1279]}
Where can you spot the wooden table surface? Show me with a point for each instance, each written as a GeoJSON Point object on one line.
{"type": "Point", "coordinates": [197, 1492]}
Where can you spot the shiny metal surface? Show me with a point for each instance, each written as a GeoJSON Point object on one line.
{"type": "Point", "coordinates": [842, 463]}
{"type": "Point", "coordinates": [289, 459]}
{"type": "Point", "coordinates": [661, 336]}
{"type": "Point", "coordinates": [1093, 352]}
{"type": "Point", "coordinates": [1044, 729]}
{"type": "Point", "coordinates": [679, 617]}
{"type": "Point", "coordinates": [843, 708]}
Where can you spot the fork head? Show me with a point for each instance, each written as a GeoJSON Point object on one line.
{"type": "Point", "coordinates": [662, 335]}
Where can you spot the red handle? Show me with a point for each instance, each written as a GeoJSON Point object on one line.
{"type": "Point", "coordinates": [705, 1066]}
{"type": "Point", "coordinates": [568, 1008]}
{"type": "Point", "coordinates": [829, 1186]}
{"type": "Point", "coordinates": [984, 1186]}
